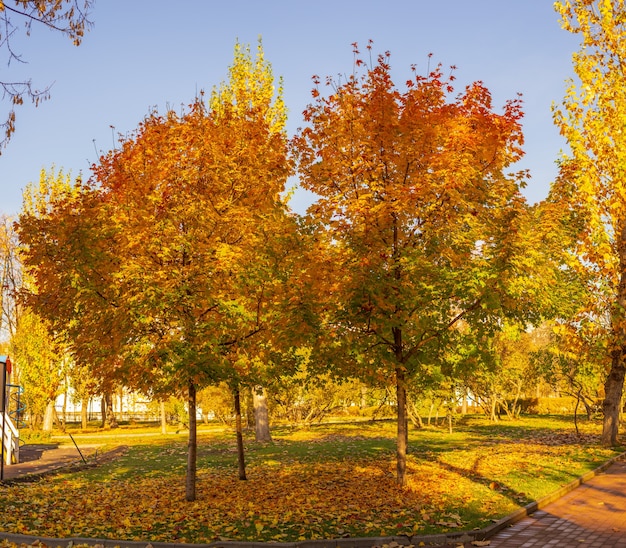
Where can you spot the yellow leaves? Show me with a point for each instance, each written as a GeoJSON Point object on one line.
{"type": "Point", "coordinates": [592, 118]}
{"type": "Point", "coordinates": [53, 186]}
{"type": "Point", "coordinates": [450, 521]}
{"type": "Point", "coordinates": [594, 106]}
{"type": "Point", "coordinates": [250, 91]}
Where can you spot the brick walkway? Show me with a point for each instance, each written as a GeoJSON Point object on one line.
{"type": "Point", "coordinates": [593, 515]}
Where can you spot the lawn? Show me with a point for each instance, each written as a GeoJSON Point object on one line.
{"type": "Point", "coordinates": [327, 481]}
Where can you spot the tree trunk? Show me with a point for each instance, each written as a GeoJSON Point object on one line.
{"type": "Point", "coordinates": [414, 415]}
{"type": "Point", "coordinates": [613, 389]}
{"type": "Point", "coordinates": [401, 443]}
{"type": "Point", "coordinates": [163, 418]}
{"type": "Point", "coordinates": [239, 431]}
{"type": "Point", "coordinates": [614, 384]}
{"type": "Point", "coordinates": [192, 446]}
{"type": "Point", "coordinates": [261, 416]}
{"type": "Point", "coordinates": [48, 418]}
{"type": "Point", "coordinates": [111, 420]}
{"type": "Point", "coordinates": [65, 404]}
{"type": "Point", "coordinates": [84, 409]}
{"type": "Point", "coordinates": [494, 405]}
{"type": "Point", "coordinates": [103, 411]}
{"type": "Point", "coordinates": [576, 413]}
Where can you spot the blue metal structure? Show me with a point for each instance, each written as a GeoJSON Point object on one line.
{"type": "Point", "coordinates": [16, 407]}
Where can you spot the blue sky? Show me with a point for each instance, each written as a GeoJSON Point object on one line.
{"type": "Point", "coordinates": [143, 54]}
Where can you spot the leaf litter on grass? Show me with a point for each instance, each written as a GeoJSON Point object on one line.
{"type": "Point", "coordinates": [293, 492]}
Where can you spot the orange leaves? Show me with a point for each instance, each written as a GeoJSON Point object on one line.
{"type": "Point", "coordinates": [329, 481]}
{"type": "Point", "coordinates": [369, 142]}
{"type": "Point", "coordinates": [410, 187]}
{"type": "Point", "coordinates": [170, 251]}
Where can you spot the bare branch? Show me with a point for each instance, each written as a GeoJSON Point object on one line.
{"type": "Point", "coordinates": [67, 17]}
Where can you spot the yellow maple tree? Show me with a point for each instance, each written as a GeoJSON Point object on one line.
{"type": "Point", "coordinates": [592, 118]}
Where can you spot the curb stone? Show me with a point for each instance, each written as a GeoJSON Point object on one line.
{"type": "Point", "coordinates": [426, 541]}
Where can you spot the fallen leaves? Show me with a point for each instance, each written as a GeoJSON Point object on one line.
{"type": "Point", "coordinates": [294, 491]}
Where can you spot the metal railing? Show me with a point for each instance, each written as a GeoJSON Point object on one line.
{"type": "Point", "coordinates": [10, 439]}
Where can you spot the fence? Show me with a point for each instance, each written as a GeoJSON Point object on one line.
{"type": "Point", "coordinates": [71, 417]}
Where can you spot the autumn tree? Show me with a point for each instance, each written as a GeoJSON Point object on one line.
{"type": "Point", "coordinates": [571, 359]}
{"type": "Point", "coordinates": [498, 370]}
{"type": "Point", "coordinates": [39, 361]}
{"type": "Point", "coordinates": [10, 277]}
{"type": "Point", "coordinates": [67, 17]}
{"type": "Point", "coordinates": [85, 387]}
{"type": "Point", "coordinates": [592, 117]}
{"type": "Point", "coordinates": [167, 252]}
{"type": "Point", "coordinates": [416, 218]}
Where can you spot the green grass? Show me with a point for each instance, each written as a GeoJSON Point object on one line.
{"type": "Point", "coordinates": [329, 480]}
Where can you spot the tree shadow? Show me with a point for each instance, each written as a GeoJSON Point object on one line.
{"type": "Point", "coordinates": [474, 475]}
{"type": "Point", "coordinates": [35, 451]}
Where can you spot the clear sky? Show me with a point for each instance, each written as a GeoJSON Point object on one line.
{"type": "Point", "coordinates": [143, 54]}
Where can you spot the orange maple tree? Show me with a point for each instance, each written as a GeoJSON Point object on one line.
{"type": "Point", "coordinates": [416, 219]}
{"type": "Point", "coordinates": [173, 253]}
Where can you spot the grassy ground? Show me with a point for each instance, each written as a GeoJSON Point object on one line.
{"type": "Point", "coordinates": [328, 481]}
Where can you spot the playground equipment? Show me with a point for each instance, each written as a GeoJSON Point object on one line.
{"type": "Point", "coordinates": [16, 408]}
{"type": "Point", "coordinates": [9, 437]}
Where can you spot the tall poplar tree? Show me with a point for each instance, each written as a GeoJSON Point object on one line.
{"type": "Point", "coordinates": [592, 118]}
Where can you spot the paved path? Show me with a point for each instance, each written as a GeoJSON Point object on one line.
{"type": "Point", "coordinates": [36, 459]}
{"type": "Point", "coordinates": [593, 515]}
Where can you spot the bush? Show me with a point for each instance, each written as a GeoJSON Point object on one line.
{"type": "Point", "coordinates": [550, 406]}
{"type": "Point", "coordinates": [28, 435]}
